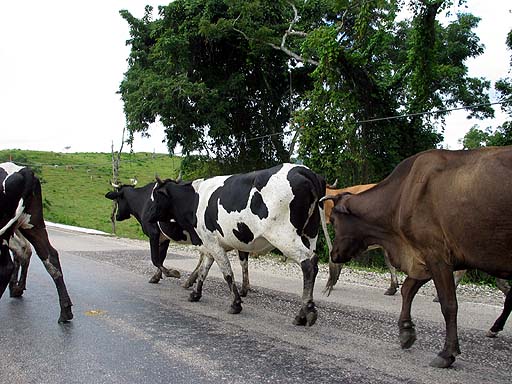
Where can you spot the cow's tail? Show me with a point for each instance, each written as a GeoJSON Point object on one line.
{"type": "Point", "coordinates": [334, 269]}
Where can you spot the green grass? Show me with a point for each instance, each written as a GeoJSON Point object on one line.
{"type": "Point", "coordinates": [74, 184]}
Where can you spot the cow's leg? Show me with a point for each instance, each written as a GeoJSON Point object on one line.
{"type": "Point", "coordinates": [6, 267]}
{"type": "Point", "coordinates": [405, 325]}
{"type": "Point", "coordinates": [22, 252]}
{"type": "Point", "coordinates": [503, 285]}
{"type": "Point", "coordinates": [205, 265]}
{"type": "Point", "coordinates": [457, 277]}
{"type": "Point", "coordinates": [38, 237]}
{"type": "Point", "coordinates": [244, 263]}
{"type": "Point", "coordinates": [500, 321]}
{"type": "Point", "coordinates": [158, 254]}
{"type": "Point", "coordinates": [308, 314]}
{"type": "Point", "coordinates": [225, 266]}
{"type": "Point", "coordinates": [393, 286]}
{"type": "Point", "coordinates": [193, 276]}
{"type": "Point", "coordinates": [162, 252]}
{"type": "Point", "coordinates": [445, 286]}
{"type": "Point", "coordinates": [13, 283]}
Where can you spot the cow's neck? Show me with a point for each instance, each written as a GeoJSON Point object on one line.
{"type": "Point", "coordinates": [137, 199]}
{"type": "Point", "coordinates": [377, 207]}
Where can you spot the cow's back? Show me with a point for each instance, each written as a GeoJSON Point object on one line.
{"type": "Point", "coordinates": [460, 200]}
{"type": "Point", "coordinates": [15, 193]}
{"type": "Point", "coordinates": [240, 209]}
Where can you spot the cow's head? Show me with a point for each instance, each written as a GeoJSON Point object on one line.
{"type": "Point", "coordinates": [161, 206]}
{"type": "Point", "coordinates": [123, 208]}
{"type": "Point", "coordinates": [349, 236]}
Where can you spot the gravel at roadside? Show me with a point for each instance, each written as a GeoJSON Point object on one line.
{"type": "Point", "coordinates": [465, 292]}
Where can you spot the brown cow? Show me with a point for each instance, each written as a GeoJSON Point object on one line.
{"type": "Point", "coordinates": [439, 211]}
{"type": "Point", "coordinates": [335, 269]}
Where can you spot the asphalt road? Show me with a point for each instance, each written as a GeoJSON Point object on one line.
{"type": "Point", "coordinates": [128, 331]}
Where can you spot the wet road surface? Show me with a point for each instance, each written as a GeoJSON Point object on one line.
{"type": "Point", "coordinates": [128, 331]}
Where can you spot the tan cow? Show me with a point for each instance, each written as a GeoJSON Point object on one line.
{"type": "Point", "coordinates": [439, 211]}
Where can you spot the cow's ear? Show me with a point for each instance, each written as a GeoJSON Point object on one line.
{"type": "Point", "coordinates": [342, 208]}
{"type": "Point", "coordinates": [112, 195]}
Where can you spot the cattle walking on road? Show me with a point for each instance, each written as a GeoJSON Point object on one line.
{"type": "Point", "coordinates": [335, 269]}
{"type": "Point", "coordinates": [254, 212]}
{"type": "Point", "coordinates": [132, 201]}
{"type": "Point", "coordinates": [437, 212]}
{"type": "Point", "coordinates": [21, 209]}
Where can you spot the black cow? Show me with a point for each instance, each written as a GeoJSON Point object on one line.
{"type": "Point", "coordinates": [134, 201]}
{"type": "Point", "coordinates": [21, 209]}
{"type": "Point", "coordinates": [254, 212]}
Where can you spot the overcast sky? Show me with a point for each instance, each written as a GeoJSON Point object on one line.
{"type": "Point", "coordinates": [61, 63]}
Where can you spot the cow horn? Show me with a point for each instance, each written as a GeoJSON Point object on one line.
{"type": "Point", "coordinates": [178, 180]}
{"type": "Point", "coordinates": [115, 185]}
{"type": "Point", "coordinates": [333, 185]}
{"type": "Point", "coordinates": [329, 197]}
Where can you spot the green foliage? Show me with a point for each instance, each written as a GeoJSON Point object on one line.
{"type": "Point", "coordinates": [371, 66]}
{"type": "Point", "coordinates": [209, 86]}
{"type": "Point", "coordinates": [76, 183]}
{"type": "Point", "coordinates": [197, 167]}
{"type": "Point", "coordinates": [476, 137]}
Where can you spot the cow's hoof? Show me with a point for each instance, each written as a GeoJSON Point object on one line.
{"type": "Point", "coordinates": [442, 362]}
{"type": "Point", "coordinates": [16, 291]}
{"type": "Point", "coordinates": [490, 333]}
{"type": "Point", "coordinates": [407, 335]}
{"type": "Point", "coordinates": [188, 283]}
{"type": "Point", "coordinates": [173, 273]}
{"type": "Point", "coordinates": [65, 315]}
{"type": "Point", "coordinates": [311, 318]}
{"type": "Point", "coordinates": [154, 280]}
{"type": "Point", "coordinates": [390, 291]}
{"type": "Point", "coordinates": [194, 296]}
{"type": "Point", "coordinates": [300, 320]}
{"type": "Point", "coordinates": [235, 308]}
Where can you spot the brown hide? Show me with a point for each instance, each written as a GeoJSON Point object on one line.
{"type": "Point", "coordinates": [329, 204]}
{"type": "Point", "coordinates": [449, 207]}
{"type": "Point", "coordinates": [439, 211]}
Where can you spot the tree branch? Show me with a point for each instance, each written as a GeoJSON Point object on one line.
{"type": "Point", "coordinates": [289, 32]}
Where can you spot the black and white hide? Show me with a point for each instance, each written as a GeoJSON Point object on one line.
{"type": "Point", "coordinates": [21, 212]}
{"type": "Point", "coordinates": [253, 212]}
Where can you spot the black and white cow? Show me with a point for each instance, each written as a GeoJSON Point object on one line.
{"type": "Point", "coordinates": [21, 209]}
{"type": "Point", "coordinates": [254, 212]}
{"type": "Point", "coordinates": [133, 201]}
{"type": "Point", "coordinates": [22, 252]}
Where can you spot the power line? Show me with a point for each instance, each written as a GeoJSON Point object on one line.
{"type": "Point", "coordinates": [397, 117]}
{"type": "Point", "coordinates": [432, 112]}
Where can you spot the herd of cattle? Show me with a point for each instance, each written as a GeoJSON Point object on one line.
{"type": "Point", "coordinates": [437, 213]}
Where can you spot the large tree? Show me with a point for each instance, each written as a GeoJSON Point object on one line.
{"type": "Point", "coordinates": [219, 73]}
{"type": "Point", "coordinates": [211, 89]}
{"type": "Point", "coordinates": [371, 67]}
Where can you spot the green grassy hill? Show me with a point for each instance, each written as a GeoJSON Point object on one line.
{"type": "Point", "coordinates": [74, 184]}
